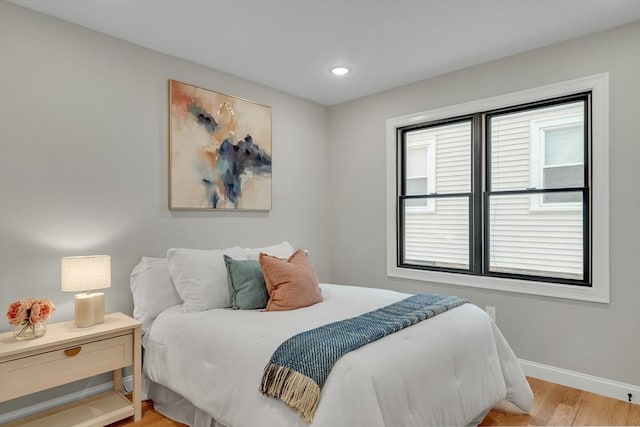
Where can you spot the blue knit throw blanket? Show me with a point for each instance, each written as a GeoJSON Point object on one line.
{"type": "Point", "coordinates": [300, 366]}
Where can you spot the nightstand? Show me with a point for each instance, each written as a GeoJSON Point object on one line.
{"type": "Point", "coordinates": [67, 353]}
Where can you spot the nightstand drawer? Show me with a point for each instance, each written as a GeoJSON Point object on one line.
{"type": "Point", "coordinates": [34, 373]}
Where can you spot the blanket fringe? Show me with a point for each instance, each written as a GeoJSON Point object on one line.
{"type": "Point", "coordinates": [292, 387]}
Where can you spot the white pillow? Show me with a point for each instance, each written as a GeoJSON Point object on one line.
{"type": "Point", "coordinates": [200, 276]}
{"type": "Point", "coordinates": [152, 289]}
{"type": "Point", "coordinates": [281, 250]}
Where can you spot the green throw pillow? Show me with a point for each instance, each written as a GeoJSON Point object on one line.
{"type": "Point", "coordinates": [246, 283]}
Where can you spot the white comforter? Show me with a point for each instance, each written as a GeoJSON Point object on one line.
{"type": "Point", "coordinates": [447, 370]}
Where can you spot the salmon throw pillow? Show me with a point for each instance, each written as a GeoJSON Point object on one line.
{"type": "Point", "coordinates": [291, 283]}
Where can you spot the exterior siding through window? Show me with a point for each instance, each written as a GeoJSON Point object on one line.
{"type": "Point", "coordinates": [526, 236]}
{"type": "Point", "coordinates": [441, 236]}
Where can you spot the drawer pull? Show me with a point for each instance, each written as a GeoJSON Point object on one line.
{"type": "Point", "coordinates": [72, 351]}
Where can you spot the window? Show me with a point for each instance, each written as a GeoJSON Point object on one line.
{"type": "Point", "coordinates": [557, 156]}
{"type": "Point", "coordinates": [432, 238]}
{"type": "Point", "coordinates": [527, 243]}
{"type": "Point", "coordinates": [420, 169]}
{"type": "Point", "coordinates": [503, 193]}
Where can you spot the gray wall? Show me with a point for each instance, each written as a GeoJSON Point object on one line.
{"type": "Point", "coordinates": [83, 161]}
{"type": "Point", "coordinates": [597, 339]}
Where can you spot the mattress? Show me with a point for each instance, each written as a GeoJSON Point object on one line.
{"type": "Point", "coordinates": [447, 370]}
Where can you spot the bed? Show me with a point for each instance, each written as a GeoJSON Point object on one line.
{"type": "Point", "coordinates": [204, 368]}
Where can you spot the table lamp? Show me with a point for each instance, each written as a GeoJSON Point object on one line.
{"type": "Point", "coordinates": [85, 274]}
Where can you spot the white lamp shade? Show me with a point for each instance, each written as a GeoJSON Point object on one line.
{"type": "Point", "coordinates": [85, 273]}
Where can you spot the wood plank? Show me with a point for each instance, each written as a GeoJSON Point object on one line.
{"type": "Point", "coordinates": [150, 418]}
{"type": "Point", "coordinates": [557, 405]}
{"type": "Point", "coordinates": [97, 410]}
{"type": "Point", "coordinates": [137, 374]}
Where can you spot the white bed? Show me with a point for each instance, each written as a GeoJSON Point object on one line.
{"type": "Point", "coordinates": [205, 367]}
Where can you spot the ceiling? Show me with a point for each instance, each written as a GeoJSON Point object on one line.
{"type": "Point", "coordinates": [290, 45]}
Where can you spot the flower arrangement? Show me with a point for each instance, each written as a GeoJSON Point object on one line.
{"type": "Point", "coordinates": [28, 316]}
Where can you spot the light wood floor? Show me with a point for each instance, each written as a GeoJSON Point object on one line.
{"type": "Point", "coordinates": [554, 405]}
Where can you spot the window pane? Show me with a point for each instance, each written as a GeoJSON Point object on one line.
{"type": "Point", "coordinates": [417, 160]}
{"type": "Point", "coordinates": [562, 198]}
{"type": "Point", "coordinates": [440, 238]}
{"type": "Point", "coordinates": [535, 243]}
{"type": "Point", "coordinates": [446, 160]}
{"type": "Point", "coordinates": [419, 203]}
{"type": "Point", "coordinates": [564, 146]}
{"type": "Point", "coordinates": [417, 186]}
{"type": "Point", "coordinates": [518, 140]}
{"type": "Point", "coordinates": [563, 176]}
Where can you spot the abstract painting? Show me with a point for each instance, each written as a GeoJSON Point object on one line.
{"type": "Point", "coordinates": [219, 150]}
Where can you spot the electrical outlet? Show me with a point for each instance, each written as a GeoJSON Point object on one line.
{"type": "Point", "coordinates": [491, 311]}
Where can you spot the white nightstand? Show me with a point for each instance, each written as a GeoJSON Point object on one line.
{"type": "Point", "coordinates": [65, 354]}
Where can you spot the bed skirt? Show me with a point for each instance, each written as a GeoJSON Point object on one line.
{"type": "Point", "coordinates": [173, 405]}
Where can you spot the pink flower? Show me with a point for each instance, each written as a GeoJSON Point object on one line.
{"type": "Point", "coordinates": [29, 310]}
{"type": "Point", "coordinates": [17, 312]}
{"type": "Point", "coordinates": [41, 310]}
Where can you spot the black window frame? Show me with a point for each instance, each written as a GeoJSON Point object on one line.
{"type": "Point", "coordinates": [481, 191]}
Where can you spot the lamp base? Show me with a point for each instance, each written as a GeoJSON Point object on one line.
{"type": "Point", "coordinates": [89, 309]}
{"type": "Point", "coordinates": [84, 313]}
{"type": "Point", "coordinates": [98, 307]}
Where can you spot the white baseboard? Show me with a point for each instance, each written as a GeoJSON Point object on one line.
{"type": "Point", "coordinates": [593, 384]}
{"type": "Point", "coordinates": [127, 383]}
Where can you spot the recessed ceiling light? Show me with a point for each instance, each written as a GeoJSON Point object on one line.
{"type": "Point", "coordinates": [340, 71]}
